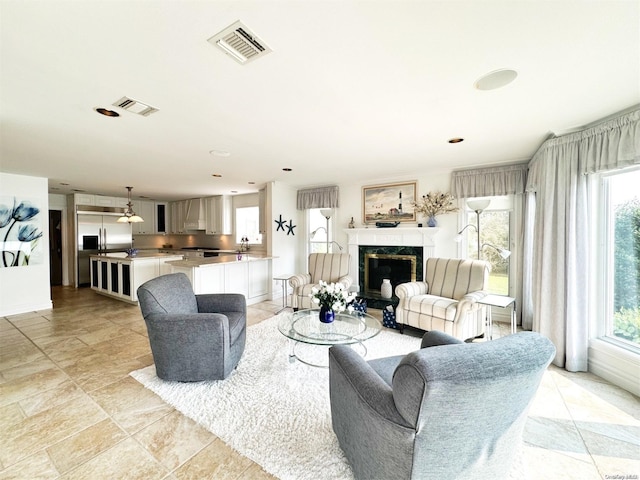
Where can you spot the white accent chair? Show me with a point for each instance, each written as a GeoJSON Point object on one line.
{"type": "Point", "coordinates": [329, 267]}
{"type": "Point", "coordinates": [447, 301]}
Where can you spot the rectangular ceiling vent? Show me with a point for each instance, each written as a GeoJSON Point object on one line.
{"type": "Point", "coordinates": [135, 106]}
{"type": "Point", "coordinates": [240, 43]}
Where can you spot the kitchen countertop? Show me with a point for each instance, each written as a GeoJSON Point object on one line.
{"type": "Point", "coordinates": [140, 255]}
{"type": "Point", "coordinates": [212, 261]}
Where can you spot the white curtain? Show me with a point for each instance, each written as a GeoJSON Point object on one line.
{"type": "Point", "coordinates": [558, 233]}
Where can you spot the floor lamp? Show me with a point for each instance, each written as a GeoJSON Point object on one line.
{"type": "Point", "coordinates": [326, 213]}
{"type": "Point", "coordinates": [478, 206]}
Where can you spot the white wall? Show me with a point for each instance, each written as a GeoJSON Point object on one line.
{"type": "Point", "coordinates": [26, 289]}
{"type": "Point", "coordinates": [285, 248]}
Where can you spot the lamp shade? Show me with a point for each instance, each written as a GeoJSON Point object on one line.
{"type": "Point", "coordinates": [327, 213]}
{"type": "Point", "coordinates": [478, 205]}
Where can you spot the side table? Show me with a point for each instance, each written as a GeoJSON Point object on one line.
{"type": "Point", "coordinates": [501, 301]}
{"type": "Point", "coordinates": [284, 278]}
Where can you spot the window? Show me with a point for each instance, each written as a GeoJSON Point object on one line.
{"type": "Point", "coordinates": [318, 235]}
{"type": "Point", "coordinates": [622, 256]}
{"type": "Point", "coordinates": [494, 240]}
{"type": "Point", "coordinates": [248, 225]}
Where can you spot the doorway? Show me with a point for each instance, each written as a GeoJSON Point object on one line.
{"type": "Point", "coordinates": [55, 247]}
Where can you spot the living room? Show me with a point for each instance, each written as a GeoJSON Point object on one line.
{"type": "Point", "coordinates": [349, 118]}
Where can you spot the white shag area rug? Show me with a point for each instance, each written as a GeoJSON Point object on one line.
{"type": "Point", "coordinates": [272, 411]}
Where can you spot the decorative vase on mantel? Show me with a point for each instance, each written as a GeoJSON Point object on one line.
{"type": "Point", "coordinates": [431, 221]}
{"type": "Point", "coordinates": [327, 315]}
{"type": "Point", "coordinates": [385, 289]}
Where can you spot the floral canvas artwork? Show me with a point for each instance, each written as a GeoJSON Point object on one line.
{"type": "Point", "coordinates": [20, 232]}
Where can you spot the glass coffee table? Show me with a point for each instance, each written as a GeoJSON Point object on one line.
{"type": "Point", "coordinates": [307, 334]}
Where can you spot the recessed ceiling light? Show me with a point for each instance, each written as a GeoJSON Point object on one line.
{"type": "Point", "coordinates": [456, 140]}
{"type": "Point", "coordinates": [77, 190]}
{"type": "Point", "coordinates": [217, 175]}
{"type": "Point", "coordinates": [234, 191]}
{"type": "Point", "coordinates": [106, 112]}
{"type": "Point", "coordinates": [496, 79]}
{"type": "Point", "coordinates": [251, 183]}
{"type": "Point", "coordinates": [219, 153]}
{"type": "Point", "coordinates": [63, 183]}
{"type": "Point", "coordinates": [286, 169]}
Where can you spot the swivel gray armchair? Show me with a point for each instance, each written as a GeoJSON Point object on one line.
{"type": "Point", "coordinates": [192, 337]}
{"type": "Point", "coordinates": [450, 410]}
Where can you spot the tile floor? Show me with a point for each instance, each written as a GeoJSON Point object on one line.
{"type": "Point", "coordinates": [70, 410]}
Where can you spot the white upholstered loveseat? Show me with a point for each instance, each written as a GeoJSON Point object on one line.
{"type": "Point", "coordinates": [447, 299]}
{"type": "Point", "coordinates": [329, 267]}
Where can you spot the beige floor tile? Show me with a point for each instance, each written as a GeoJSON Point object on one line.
{"type": "Point", "coordinates": [13, 390]}
{"type": "Point", "coordinates": [105, 334]}
{"type": "Point", "coordinates": [217, 461]}
{"type": "Point", "coordinates": [255, 472]}
{"type": "Point", "coordinates": [13, 355]}
{"type": "Point", "coordinates": [47, 399]}
{"type": "Point", "coordinates": [28, 368]}
{"type": "Point", "coordinates": [131, 405]}
{"type": "Point", "coordinates": [48, 428]}
{"type": "Point", "coordinates": [544, 464]}
{"type": "Point", "coordinates": [10, 415]}
{"type": "Point", "coordinates": [83, 446]}
{"type": "Point", "coordinates": [174, 439]}
{"type": "Point", "coordinates": [126, 460]}
{"type": "Point", "coordinates": [38, 466]}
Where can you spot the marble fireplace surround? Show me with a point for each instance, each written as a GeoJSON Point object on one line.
{"type": "Point", "coordinates": [389, 237]}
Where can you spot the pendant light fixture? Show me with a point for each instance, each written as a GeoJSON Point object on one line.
{"type": "Point", "coordinates": [129, 215]}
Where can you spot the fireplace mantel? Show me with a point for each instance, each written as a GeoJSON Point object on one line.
{"type": "Point", "coordinates": [392, 237]}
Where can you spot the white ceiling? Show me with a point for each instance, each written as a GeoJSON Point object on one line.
{"type": "Point", "coordinates": [362, 90]}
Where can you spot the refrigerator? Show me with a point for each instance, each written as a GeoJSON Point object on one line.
{"type": "Point", "coordinates": [99, 232]}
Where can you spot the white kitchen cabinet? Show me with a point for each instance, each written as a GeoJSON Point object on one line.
{"type": "Point", "coordinates": [177, 212]}
{"type": "Point", "coordinates": [120, 277]}
{"type": "Point", "coordinates": [84, 199]}
{"type": "Point", "coordinates": [146, 210]}
{"type": "Point", "coordinates": [218, 215]}
{"type": "Point", "coordinates": [259, 278]}
{"type": "Point", "coordinates": [252, 278]}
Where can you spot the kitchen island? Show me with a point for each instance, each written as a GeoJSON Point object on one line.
{"type": "Point", "coordinates": [119, 275]}
{"type": "Point", "coordinates": [250, 276]}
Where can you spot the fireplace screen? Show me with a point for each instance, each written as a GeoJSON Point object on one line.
{"type": "Point", "coordinates": [398, 268]}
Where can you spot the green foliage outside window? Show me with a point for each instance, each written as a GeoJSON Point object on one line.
{"type": "Point", "coordinates": [626, 319]}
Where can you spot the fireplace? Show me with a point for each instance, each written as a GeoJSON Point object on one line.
{"type": "Point", "coordinates": [398, 264]}
{"type": "Point", "coordinates": [387, 244]}
{"type": "Point", "coordinates": [379, 266]}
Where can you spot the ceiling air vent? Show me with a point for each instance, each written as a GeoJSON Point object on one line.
{"type": "Point", "coordinates": [240, 43]}
{"type": "Point", "coordinates": [134, 106]}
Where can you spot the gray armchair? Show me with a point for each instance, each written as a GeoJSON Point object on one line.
{"type": "Point", "coordinates": [450, 410]}
{"type": "Point", "coordinates": [192, 337]}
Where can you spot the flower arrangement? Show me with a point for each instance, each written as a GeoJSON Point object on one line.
{"type": "Point", "coordinates": [332, 296]}
{"type": "Point", "coordinates": [435, 203]}
{"type": "Point", "coordinates": [244, 244]}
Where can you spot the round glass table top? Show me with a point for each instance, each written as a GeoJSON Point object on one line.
{"type": "Point", "coordinates": [347, 328]}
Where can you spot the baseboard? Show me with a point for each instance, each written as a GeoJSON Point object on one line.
{"type": "Point", "coordinates": [615, 364]}
{"type": "Point", "coordinates": [26, 308]}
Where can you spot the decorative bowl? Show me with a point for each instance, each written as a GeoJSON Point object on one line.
{"type": "Point", "coordinates": [131, 252]}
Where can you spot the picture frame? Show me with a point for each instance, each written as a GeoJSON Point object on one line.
{"type": "Point", "coordinates": [391, 202]}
